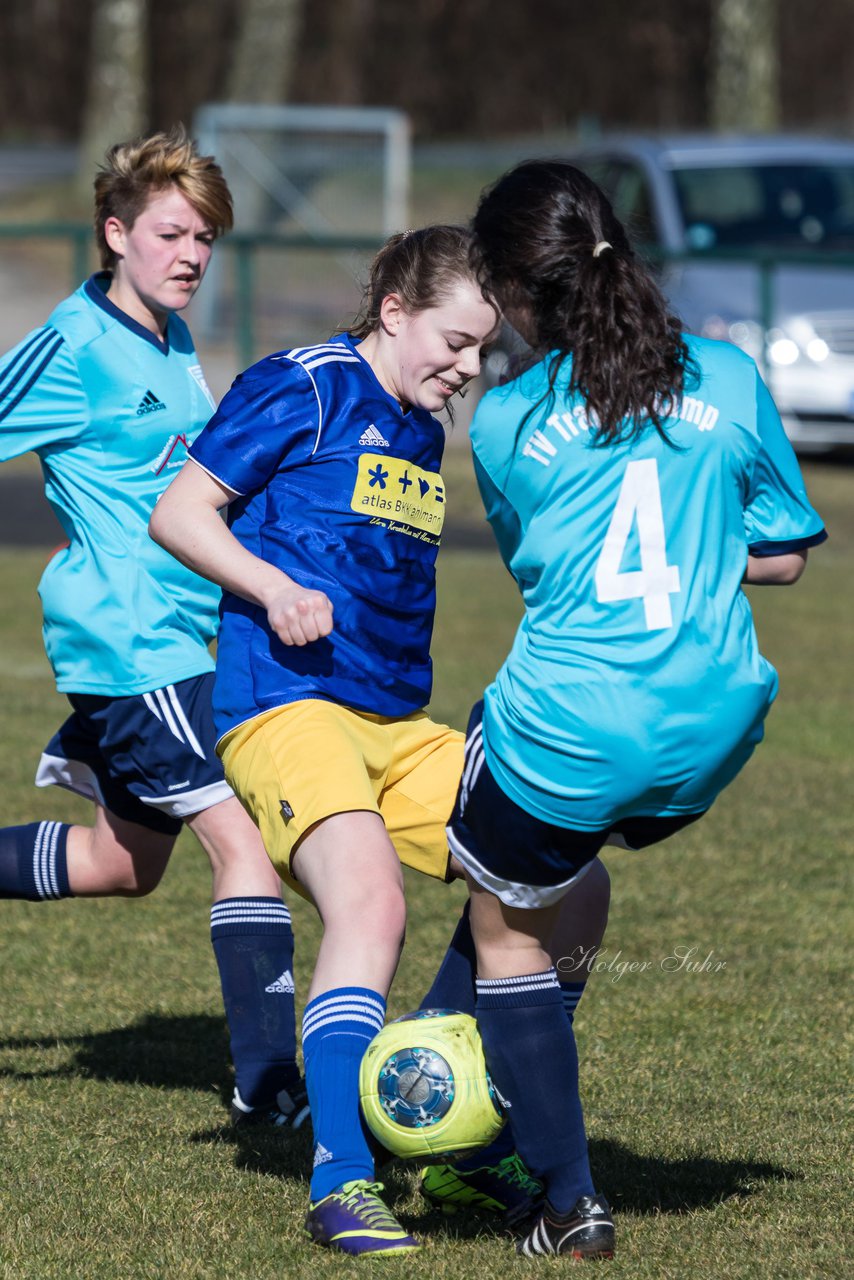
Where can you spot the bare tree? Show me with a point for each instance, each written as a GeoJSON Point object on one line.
{"type": "Point", "coordinates": [745, 87]}
{"type": "Point", "coordinates": [265, 53]}
{"type": "Point", "coordinates": [116, 106]}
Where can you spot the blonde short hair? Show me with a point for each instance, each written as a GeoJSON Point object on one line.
{"type": "Point", "coordinates": [133, 171]}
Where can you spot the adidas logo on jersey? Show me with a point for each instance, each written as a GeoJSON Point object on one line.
{"type": "Point", "coordinates": [149, 404]}
{"type": "Point", "coordinates": [373, 437]}
{"type": "Point", "coordinates": [283, 985]}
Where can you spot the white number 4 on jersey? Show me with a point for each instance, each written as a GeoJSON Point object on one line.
{"type": "Point", "coordinates": [639, 500]}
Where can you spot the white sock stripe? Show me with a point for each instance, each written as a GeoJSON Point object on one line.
{"type": "Point", "coordinates": [246, 909]}
{"type": "Point", "coordinates": [44, 859]}
{"type": "Point", "coordinates": [317, 1024]}
{"type": "Point", "coordinates": [250, 917]}
{"type": "Point", "coordinates": [550, 974]}
{"type": "Point", "coordinates": [184, 722]}
{"type": "Point", "coordinates": [51, 860]}
{"type": "Point", "coordinates": [350, 1000]}
{"type": "Point", "coordinates": [250, 901]}
{"type": "Point", "coordinates": [526, 982]}
{"type": "Point", "coordinates": [342, 1009]}
{"type": "Point", "coordinates": [219, 917]}
{"type": "Point", "coordinates": [545, 979]}
{"type": "Point", "coordinates": [37, 857]}
{"type": "Point", "coordinates": [342, 1013]}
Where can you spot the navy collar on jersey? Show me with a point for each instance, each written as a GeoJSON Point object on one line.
{"type": "Point", "coordinates": [96, 288]}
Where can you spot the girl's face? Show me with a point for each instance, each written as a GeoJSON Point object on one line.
{"type": "Point", "coordinates": [432, 354]}
{"type": "Point", "coordinates": [161, 258]}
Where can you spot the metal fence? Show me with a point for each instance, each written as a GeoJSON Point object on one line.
{"type": "Point", "coordinates": [239, 314]}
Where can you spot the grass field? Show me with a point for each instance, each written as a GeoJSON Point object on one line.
{"type": "Point", "coordinates": [715, 1095]}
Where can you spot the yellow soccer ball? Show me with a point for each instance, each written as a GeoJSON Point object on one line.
{"type": "Point", "coordinates": [424, 1087]}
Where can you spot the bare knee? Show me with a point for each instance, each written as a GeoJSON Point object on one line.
{"type": "Point", "coordinates": [116, 859]}
{"type": "Point", "coordinates": [124, 877]}
{"type": "Point", "coordinates": [380, 913]}
{"type": "Point", "coordinates": [582, 923]}
{"type": "Point", "coordinates": [139, 882]}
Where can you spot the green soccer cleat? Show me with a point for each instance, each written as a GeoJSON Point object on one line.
{"type": "Point", "coordinates": [505, 1187]}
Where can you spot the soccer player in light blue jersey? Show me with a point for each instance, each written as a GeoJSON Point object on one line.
{"type": "Point", "coordinates": [635, 478]}
{"type": "Point", "coordinates": [327, 459]}
{"type": "Point", "coordinates": [110, 395]}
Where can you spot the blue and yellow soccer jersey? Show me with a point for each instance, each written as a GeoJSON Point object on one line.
{"type": "Point", "coordinates": [341, 490]}
{"type": "Point", "coordinates": [635, 685]}
{"type": "Point", "coordinates": [110, 411]}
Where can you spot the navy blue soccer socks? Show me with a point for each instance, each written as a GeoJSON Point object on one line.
{"type": "Point", "coordinates": [530, 1051]}
{"type": "Point", "coordinates": [254, 946]}
{"type": "Point", "coordinates": [33, 861]}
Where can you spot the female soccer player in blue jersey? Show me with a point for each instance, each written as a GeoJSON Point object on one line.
{"type": "Point", "coordinates": [110, 394]}
{"type": "Point", "coordinates": [634, 478]}
{"type": "Point", "coordinates": [327, 459]}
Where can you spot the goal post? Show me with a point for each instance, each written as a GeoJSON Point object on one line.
{"type": "Point", "coordinates": [314, 172]}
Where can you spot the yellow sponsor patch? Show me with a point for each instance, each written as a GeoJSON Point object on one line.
{"type": "Point", "coordinates": [399, 494]}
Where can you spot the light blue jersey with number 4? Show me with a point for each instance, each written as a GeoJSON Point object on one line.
{"type": "Point", "coordinates": [635, 685]}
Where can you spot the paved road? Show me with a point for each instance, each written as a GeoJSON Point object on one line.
{"type": "Point", "coordinates": [26, 520]}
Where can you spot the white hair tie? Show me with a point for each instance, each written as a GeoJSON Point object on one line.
{"type": "Point", "coordinates": [601, 247]}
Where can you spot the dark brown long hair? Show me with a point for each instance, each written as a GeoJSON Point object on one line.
{"type": "Point", "coordinates": [548, 242]}
{"type": "Point", "coordinates": [423, 267]}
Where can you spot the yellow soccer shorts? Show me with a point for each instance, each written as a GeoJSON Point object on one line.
{"type": "Point", "coordinates": [303, 762]}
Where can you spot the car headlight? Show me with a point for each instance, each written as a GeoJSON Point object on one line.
{"type": "Point", "coordinates": [782, 350]}
{"type": "Point", "coordinates": [817, 349]}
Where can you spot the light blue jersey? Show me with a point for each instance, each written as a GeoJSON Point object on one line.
{"type": "Point", "coordinates": [635, 685]}
{"type": "Point", "coordinates": [111, 411]}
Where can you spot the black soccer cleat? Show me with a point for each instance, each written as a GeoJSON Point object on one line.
{"type": "Point", "coordinates": [587, 1231]}
{"type": "Point", "coordinates": [289, 1111]}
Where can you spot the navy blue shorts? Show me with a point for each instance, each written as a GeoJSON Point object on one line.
{"type": "Point", "coordinates": [149, 758]}
{"type": "Point", "coordinates": [523, 860]}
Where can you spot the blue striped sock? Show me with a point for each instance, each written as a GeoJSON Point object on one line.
{"type": "Point", "coordinates": [337, 1028]}
{"type": "Point", "coordinates": [34, 861]}
{"type": "Point", "coordinates": [254, 947]}
{"type": "Point", "coordinates": [530, 1051]}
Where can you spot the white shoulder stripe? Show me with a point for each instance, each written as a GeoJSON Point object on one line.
{"type": "Point", "coordinates": [302, 353]}
{"type": "Point", "coordinates": [329, 359]}
{"type": "Point", "coordinates": [332, 345]}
